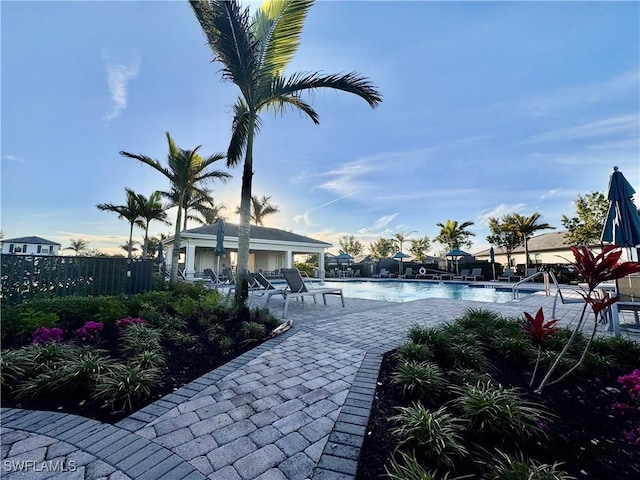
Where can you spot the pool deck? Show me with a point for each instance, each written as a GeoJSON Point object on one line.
{"type": "Point", "coordinates": [295, 407]}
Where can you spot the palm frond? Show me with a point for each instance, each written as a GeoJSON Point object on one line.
{"type": "Point", "coordinates": [350, 82]}
{"type": "Point", "coordinates": [240, 132]}
{"type": "Point", "coordinates": [227, 28]}
{"type": "Point", "coordinates": [280, 103]}
{"type": "Point", "coordinates": [278, 26]}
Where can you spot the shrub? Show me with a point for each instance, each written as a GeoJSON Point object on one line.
{"type": "Point", "coordinates": [499, 410]}
{"type": "Point", "coordinates": [13, 366]}
{"type": "Point", "coordinates": [31, 320]}
{"type": "Point", "coordinates": [623, 350]}
{"type": "Point", "coordinates": [253, 331]}
{"type": "Point", "coordinates": [89, 332]}
{"type": "Point", "coordinates": [414, 352]}
{"type": "Point", "coordinates": [514, 347]}
{"type": "Point", "coordinates": [437, 433]}
{"type": "Point", "coordinates": [45, 357]}
{"type": "Point", "coordinates": [124, 386]}
{"type": "Point", "coordinates": [148, 359]}
{"type": "Point", "coordinates": [408, 468]}
{"type": "Point", "coordinates": [421, 334]}
{"type": "Point", "coordinates": [44, 335]}
{"type": "Point", "coordinates": [419, 379]}
{"type": "Point", "coordinates": [127, 321]}
{"type": "Point", "coordinates": [139, 338]}
{"type": "Point", "coordinates": [111, 309]}
{"type": "Point", "coordinates": [503, 466]}
{"type": "Point", "coordinates": [466, 356]}
{"type": "Point", "coordinates": [185, 306]}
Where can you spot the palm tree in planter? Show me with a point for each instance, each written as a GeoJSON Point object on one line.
{"type": "Point", "coordinates": [130, 212]}
{"type": "Point", "coordinates": [78, 245]}
{"type": "Point", "coordinates": [525, 227]}
{"type": "Point", "coordinates": [187, 171]}
{"type": "Point", "coordinates": [150, 209]}
{"type": "Point", "coordinates": [260, 208]}
{"type": "Point", "coordinates": [254, 53]}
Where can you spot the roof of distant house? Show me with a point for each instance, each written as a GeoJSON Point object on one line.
{"type": "Point", "coordinates": [540, 243]}
{"type": "Point", "coordinates": [30, 240]}
{"type": "Point", "coordinates": [257, 232]}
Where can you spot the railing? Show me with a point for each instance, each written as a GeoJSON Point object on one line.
{"type": "Point", "coordinates": [515, 290]}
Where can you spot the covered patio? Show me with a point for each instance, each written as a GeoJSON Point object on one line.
{"type": "Point", "coordinates": [270, 249]}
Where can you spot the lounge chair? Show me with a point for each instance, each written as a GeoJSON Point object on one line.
{"type": "Point", "coordinates": [508, 276]}
{"type": "Point", "coordinates": [264, 287]}
{"type": "Point", "coordinates": [476, 274]}
{"type": "Point", "coordinates": [296, 288]}
{"type": "Point", "coordinates": [384, 273]}
{"type": "Point", "coordinates": [463, 274]}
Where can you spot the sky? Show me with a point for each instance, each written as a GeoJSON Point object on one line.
{"type": "Point", "coordinates": [489, 108]}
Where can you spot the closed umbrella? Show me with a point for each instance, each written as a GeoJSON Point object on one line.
{"type": "Point", "coordinates": [219, 243]}
{"type": "Point", "coordinates": [160, 258]}
{"type": "Point", "coordinates": [492, 255]}
{"type": "Point", "coordinates": [622, 226]}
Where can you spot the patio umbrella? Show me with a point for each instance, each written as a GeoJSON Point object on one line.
{"type": "Point", "coordinates": [457, 253]}
{"type": "Point", "coordinates": [622, 226]}
{"type": "Point", "coordinates": [492, 255]}
{"type": "Point", "coordinates": [219, 243]}
{"type": "Point", "coordinates": [400, 256]}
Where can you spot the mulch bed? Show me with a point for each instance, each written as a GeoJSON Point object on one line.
{"type": "Point", "coordinates": [587, 433]}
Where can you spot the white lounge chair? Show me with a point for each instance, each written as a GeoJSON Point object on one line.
{"type": "Point", "coordinates": [509, 276]}
{"type": "Point", "coordinates": [265, 287]}
{"type": "Point", "coordinates": [384, 273]}
{"type": "Point", "coordinates": [476, 274]}
{"type": "Point", "coordinates": [463, 274]}
{"type": "Point", "coordinates": [298, 289]}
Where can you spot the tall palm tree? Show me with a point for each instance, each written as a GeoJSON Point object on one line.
{"type": "Point", "coordinates": [129, 212]}
{"type": "Point", "coordinates": [186, 170]}
{"type": "Point", "coordinates": [130, 247]}
{"type": "Point", "coordinates": [150, 209]}
{"type": "Point", "coordinates": [402, 237]}
{"type": "Point", "coordinates": [454, 235]}
{"type": "Point", "coordinates": [254, 53]}
{"type": "Point", "coordinates": [260, 208]}
{"type": "Point", "coordinates": [77, 245]}
{"type": "Point", "coordinates": [525, 227]}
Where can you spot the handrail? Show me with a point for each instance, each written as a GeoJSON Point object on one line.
{"type": "Point", "coordinates": [515, 289]}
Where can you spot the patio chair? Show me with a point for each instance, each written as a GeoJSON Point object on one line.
{"type": "Point", "coordinates": [476, 274]}
{"type": "Point", "coordinates": [463, 273]}
{"type": "Point", "coordinates": [384, 273]}
{"type": "Point", "coordinates": [628, 289]}
{"type": "Point", "coordinates": [296, 288]}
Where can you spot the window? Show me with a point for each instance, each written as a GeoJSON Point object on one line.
{"type": "Point", "coordinates": [24, 248]}
{"type": "Point", "coordinates": [11, 248]}
{"type": "Point", "coordinates": [39, 248]}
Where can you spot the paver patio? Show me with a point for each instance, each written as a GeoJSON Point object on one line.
{"type": "Point", "coordinates": [296, 407]}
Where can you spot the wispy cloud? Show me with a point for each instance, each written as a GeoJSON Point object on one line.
{"type": "Point", "coordinates": [118, 78]}
{"type": "Point", "coordinates": [550, 194]}
{"type": "Point", "coordinates": [498, 212]}
{"type": "Point", "coordinates": [11, 158]}
{"type": "Point", "coordinates": [623, 124]}
{"type": "Point", "coordinates": [380, 224]}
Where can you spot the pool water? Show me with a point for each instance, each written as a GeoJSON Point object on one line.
{"type": "Point", "coordinates": [398, 291]}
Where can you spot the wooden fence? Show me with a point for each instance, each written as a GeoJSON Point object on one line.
{"type": "Point", "coordinates": [26, 277]}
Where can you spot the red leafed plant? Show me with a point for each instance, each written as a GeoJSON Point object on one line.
{"type": "Point", "coordinates": [538, 330]}
{"type": "Point", "coordinates": [594, 269]}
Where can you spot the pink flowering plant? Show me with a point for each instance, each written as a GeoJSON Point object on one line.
{"type": "Point", "coordinates": [126, 321]}
{"type": "Point", "coordinates": [631, 383]}
{"type": "Point", "coordinates": [594, 269]}
{"type": "Point", "coordinates": [89, 332]}
{"type": "Point", "coordinates": [44, 335]}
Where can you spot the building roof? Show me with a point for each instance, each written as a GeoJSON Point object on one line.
{"type": "Point", "coordinates": [30, 240]}
{"type": "Point", "coordinates": [545, 242]}
{"type": "Point", "coordinates": [257, 232]}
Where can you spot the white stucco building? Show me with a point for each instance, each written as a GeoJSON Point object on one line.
{"type": "Point", "coordinates": [29, 246]}
{"type": "Point", "coordinates": [270, 249]}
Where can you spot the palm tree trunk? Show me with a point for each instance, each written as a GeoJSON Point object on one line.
{"type": "Point", "coordinates": [526, 255]}
{"type": "Point", "coordinates": [244, 227]}
{"type": "Point", "coordinates": [130, 240]}
{"type": "Point", "coordinates": [146, 242]}
{"type": "Point", "coordinates": [175, 253]}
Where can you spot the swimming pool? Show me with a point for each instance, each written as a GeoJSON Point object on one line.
{"type": "Point", "coordinates": [397, 291]}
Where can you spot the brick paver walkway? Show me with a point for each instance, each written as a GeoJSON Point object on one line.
{"type": "Point", "coordinates": [296, 407]}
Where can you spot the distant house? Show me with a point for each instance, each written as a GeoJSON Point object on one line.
{"type": "Point", "coordinates": [30, 246]}
{"type": "Point", "coordinates": [546, 248]}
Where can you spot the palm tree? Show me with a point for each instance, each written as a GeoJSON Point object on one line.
{"type": "Point", "coordinates": [453, 235]}
{"type": "Point", "coordinates": [525, 227]}
{"type": "Point", "coordinates": [77, 245]}
{"type": "Point", "coordinates": [402, 237]}
{"type": "Point", "coordinates": [254, 53]}
{"type": "Point", "coordinates": [186, 170]}
{"type": "Point", "coordinates": [129, 212]}
{"type": "Point", "coordinates": [260, 208]}
{"type": "Point", "coordinates": [150, 209]}
{"type": "Point", "coordinates": [130, 247]}
{"type": "Point", "coordinates": [201, 201]}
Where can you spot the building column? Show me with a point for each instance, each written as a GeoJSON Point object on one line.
{"type": "Point", "coordinates": [321, 264]}
{"type": "Point", "coordinates": [288, 259]}
{"type": "Point", "coordinates": [190, 261]}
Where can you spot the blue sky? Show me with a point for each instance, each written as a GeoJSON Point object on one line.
{"type": "Point", "coordinates": [489, 108]}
